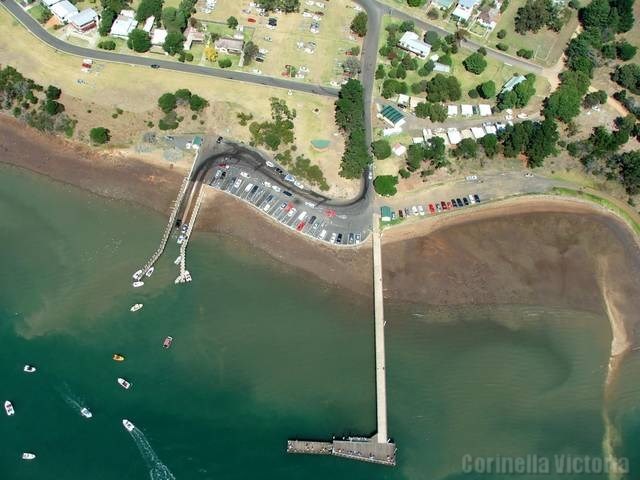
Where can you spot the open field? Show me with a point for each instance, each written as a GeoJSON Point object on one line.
{"type": "Point", "coordinates": [281, 42]}
{"type": "Point", "coordinates": [92, 99]}
{"type": "Point", "coordinates": [547, 44]}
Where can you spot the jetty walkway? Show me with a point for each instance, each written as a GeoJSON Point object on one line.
{"type": "Point", "coordinates": [379, 448]}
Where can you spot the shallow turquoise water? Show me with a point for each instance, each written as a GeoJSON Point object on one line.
{"type": "Point", "coordinates": [262, 354]}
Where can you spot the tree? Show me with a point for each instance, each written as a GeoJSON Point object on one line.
{"type": "Point", "coordinates": [149, 8]}
{"type": "Point", "coordinates": [173, 43]}
{"type": "Point", "coordinates": [433, 39]}
{"type": "Point", "coordinates": [381, 149]}
{"type": "Point", "coordinates": [99, 135]}
{"type": "Point", "coordinates": [385, 185]}
{"type": "Point", "coordinates": [139, 40]}
{"type": "Point", "coordinates": [442, 88]}
{"type": "Point", "coordinates": [380, 72]}
{"type": "Point", "coordinates": [625, 51]}
{"type": "Point", "coordinates": [52, 93]}
{"type": "Point", "coordinates": [427, 68]}
{"type": "Point", "coordinates": [224, 62]}
{"type": "Point", "coordinates": [183, 96]}
{"type": "Point", "coordinates": [628, 76]}
{"type": "Point", "coordinates": [628, 166]}
{"type": "Point", "coordinates": [359, 24]}
{"type": "Point", "coordinates": [520, 95]}
{"type": "Point", "coordinates": [489, 144]}
{"type": "Point", "coordinates": [563, 104]}
{"type": "Point", "coordinates": [286, 6]}
{"type": "Point", "coordinates": [501, 34]}
{"type": "Point", "coordinates": [107, 45]}
{"type": "Point", "coordinates": [351, 66]}
{"type": "Point", "coordinates": [52, 107]}
{"type": "Point", "coordinates": [108, 16]}
{"type": "Point", "coordinates": [525, 53]}
{"type": "Point", "coordinates": [167, 102]}
{"type": "Point", "coordinates": [594, 98]}
{"type": "Point", "coordinates": [467, 148]}
{"type": "Point", "coordinates": [534, 15]}
{"type": "Point", "coordinates": [475, 63]}
{"type": "Point", "coordinates": [173, 19]}
{"type": "Point", "coordinates": [251, 50]}
{"type": "Point", "coordinates": [487, 89]}
{"type": "Point", "coordinates": [502, 47]}
{"type": "Point", "coordinates": [435, 111]}
{"type": "Point", "coordinates": [232, 22]}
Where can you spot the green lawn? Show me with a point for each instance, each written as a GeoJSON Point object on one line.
{"type": "Point", "coordinates": [37, 12]}
{"type": "Point", "coordinates": [547, 44]}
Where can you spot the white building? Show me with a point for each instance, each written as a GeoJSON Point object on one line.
{"type": "Point", "coordinates": [452, 110]}
{"type": "Point", "coordinates": [464, 9]}
{"type": "Point", "coordinates": [467, 110]}
{"type": "Point", "coordinates": [478, 132]}
{"type": "Point", "coordinates": [63, 10]}
{"type": "Point", "coordinates": [399, 150]}
{"type": "Point", "coordinates": [411, 42]}
{"type": "Point", "coordinates": [148, 24]}
{"type": "Point", "coordinates": [122, 26]}
{"type": "Point", "coordinates": [49, 3]}
{"type": "Point", "coordinates": [485, 110]}
{"type": "Point", "coordinates": [159, 36]}
{"type": "Point", "coordinates": [490, 129]}
{"type": "Point", "coordinates": [454, 136]}
{"type": "Point", "coordinates": [84, 21]}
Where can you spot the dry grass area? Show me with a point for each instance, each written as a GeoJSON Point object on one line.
{"type": "Point", "coordinates": [92, 98]}
{"type": "Point", "coordinates": [333, 39]}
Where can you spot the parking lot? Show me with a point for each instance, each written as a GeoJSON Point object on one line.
{"type": "Point", "coordinates": [277, 194]}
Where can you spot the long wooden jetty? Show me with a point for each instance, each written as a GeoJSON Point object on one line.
{"type": "Point", "coordinates": [377, 449]}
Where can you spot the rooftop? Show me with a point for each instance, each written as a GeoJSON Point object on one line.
{"type": "Point", "coordinates": [122, 26]}
{"type": "Point", "coordinates": [64, 10]}
{"type": "Point", "coordinates": [87, 15]}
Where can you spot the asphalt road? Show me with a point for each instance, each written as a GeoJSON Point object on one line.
{"type": "Point", "coordinates": [36, 29]}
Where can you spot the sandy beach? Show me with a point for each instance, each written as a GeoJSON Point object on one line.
{"type": "Point", "coordinates": [538, 251]}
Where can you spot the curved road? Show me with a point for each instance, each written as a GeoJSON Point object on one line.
{"type": "Point", "coordinates": [36, 29]}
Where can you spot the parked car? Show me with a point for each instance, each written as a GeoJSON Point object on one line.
{"type": "Point", "coordinates": [466, 201]}
{"type": "Point", "coordinates": [459, 202]}
{"type": "Point", "coordinates": [219, 140]}
{"type": "Point", "coordinates": [351, 239]}
{"type": "Point", "coordinates": [269, 164]}
{"type": "Point", "coordinates": [300, 226]}
{"type": "Point", "coordinates": [414, 210]}
{"type": "Point", "coordinates": [449, 206]}
{"type": "Point", "coordinates": [475, 195]}
{"type": "Point", "coordinates": [453, 202]}
{"type": "Point", "coordinates": [276, 188]}
{"type": "Point", "coordinates": [432, 209]}
{"type": "Point", "coordinates": [358, 238]}
{"type": "Point", "coordinates": [155, 65]}
{"type": "Point", "coordinates": [292, 212]}
{"type": "Point", "coordinates": [400, 213]}
{"type": "Point", "coordinates": [438, 207]}
{"type": "Point", "coordinates": [287, 193]}
{"type": "Point", "coordinates": [333, 237]}
{"type": "Point", "coordinates": [471, 199]}
{"type": "Point", "coordinates": [421, 210]}
{"type": "Point", "coordinates": [339, 238]}
{"type": "Point", "coordinates": [244, 174]}
{"type": "Point", "coordinates": [443, 205]}
{"type": "Point", "coordinates": [323, 234]}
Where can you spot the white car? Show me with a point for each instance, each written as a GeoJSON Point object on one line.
{"type": "Point", "coordinates": [334, 235]}
{"type": "Point", "coordinates": [421, 210]}
{"type": "Point", "coordinates": [292, 212]}
{"type": "Point", "coordinates": [528, 174]}
{"type": "Point", "coordinates": [267, 184]}
{"type": "Point", "coordinates": [471, 178]}
{"type": "Point", "coordinates": [276, 188]}
{"type": "Point", "coordinates": [248, 187]}
{"type": "Point", "coordinates": [269, 164]}
{"type": "Point", "coordinates": [414, 210]}
{"type": "Point", "coordinates": [266, 207]}
{"type": "Point", "coordinates": [471, 199]}
{"type": "Point", "coordinates": [310, 204]}
{"type": "Point", "coordinates": [244, 174]}
{"type": "Point", "coordinates": [237, 184]}
{"type": "Point", "coordinates": [323, 234]}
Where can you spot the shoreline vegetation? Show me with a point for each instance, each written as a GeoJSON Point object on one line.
{"type": "Point", "coordinates": [153, 185]}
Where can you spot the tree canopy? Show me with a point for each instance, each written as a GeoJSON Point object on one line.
{"type": "Point", "coordinates": [475, 63]}
{"type": "Point", "coordinates": [139, 40]}
{"type": "Point", "coordinates": [386, 185]}
{"type": "Point", "coordinates": [149, 8]}
{"type": "Point", "coordinates": [359, 24]}
{"type": "Point", "coordinates": [99, 135]}
{"type": "Point", "coordinates": [174, 42]}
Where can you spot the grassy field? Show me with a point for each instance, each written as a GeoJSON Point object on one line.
{"type": "Point", "coordinates": [91, 98]}
{"type": "Point", "coordinates": [37, 12]}
{"type": "Point", "coordinates": [331, 42]}
{"type": "Point", "coordinates": [547, 44]}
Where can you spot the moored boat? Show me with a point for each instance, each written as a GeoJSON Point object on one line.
{"type": "Point", "coordinates": [137, 275]}
{"type": "Point", "coordinates": [85, 412]}
{"type": "Point", "coordinates": [150, 272]}
{"type": "Point", "coordinates": [137, 284]}
{"type": "Point", "coordinates": [136, 307]}
{"type": "Point", "coordinates": [29, 368]}
{"type": "Point", "coordinates": [177, 260]}
{"type": "Point", "coordinates": [123, 383]}
{"type": "Point", "coordinates": [8, 407]}
{"type": "Point", "coordinates": [28, 456]}
{"type": "Point", "coordinates": [128, 425]}
{"type": "Point", "coordinates": [167, 342]}
{"type": "Point", "coordinates": [118, 358]}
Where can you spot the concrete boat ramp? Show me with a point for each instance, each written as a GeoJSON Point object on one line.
{"type": "Point", "coordinates": [354, 448]}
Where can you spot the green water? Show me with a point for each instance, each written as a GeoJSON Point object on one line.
{"type": "Point", "coordinates": [261, 354]}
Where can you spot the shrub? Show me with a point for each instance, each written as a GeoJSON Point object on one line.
{"type": "Point", "coordinates": [501, 34]}
{"type": "Point", "coordinates": [502, 46]}
{"type": "Point", "coordinates": [167, 102]}
{"type": "Point", "coordinates": [99, 135]}
{"type": "Point", "coordinates": [525, 53]}
{"type": "Point", "coordinates": [386, 185]}
{"type": "Point", "coordinates": [381, 149]}
{"type": "Point", "coordinates": [224, 62]}
{"type": "Point", "coordinates": [475, 63]}
{"type": "Point", "coordinates": [139, 40]}
{"type": "Point", "coordinates": [359, 24]}
{"type": "Point", "coordinates": [107, 45]}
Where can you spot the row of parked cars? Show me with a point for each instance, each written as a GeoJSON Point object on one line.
{"type": "Point", "coordinates": [438, 207]}
{"type": "Point", "coordinates": [281, 205]}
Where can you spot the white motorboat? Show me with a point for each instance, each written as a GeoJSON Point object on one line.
{"type": "Point", "coordinates": [29, 369]}
{"type": "Point", "coordinates": [86, 413]}
{"type": "Point", "coordinates": [123, 383]}
{"type": "Point", "coordinates": [137, 284]}
{"type": "Point", "coordinates": [177, 260]}
{"type": "Point", "coordinates": [150, 272]}
{"type": "Point", "coordinates": [136, 307]}
{"type": "Point", "coordinates": [28, 456]}
{"type": "Point", "coordinates": [137, 275]}
{"type": "Point", "coordinates": [128, 425]}
{"type": "Point", "coordinates": [8, 407]}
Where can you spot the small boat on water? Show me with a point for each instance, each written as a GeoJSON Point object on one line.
{"type": "Point", "coordinates": [137, 284]}
{"type": "Point", "coordinates": [136, 307]}
{"type": "Point", "coordinates": [177, 260]}
{"type": "Point", "coordinates": [29, 369]}
{"type": "Point", "coordinates": [150, 272]}
{"type": "Point", "coordinates": [118, 358]}
{"type": "Point", "coordinates": [123, 383]}
{"type": "Point", "coordinates": [86, 413]}
{"type": "Point", "coordinates": [8, 407]}
{"type": "Point", "coordinates": [28, 456]}
{"type": "Point", "coordinates": [167, 342]}
{"type": "Point", "coordinates": [137, 275]}
{"type": "Point", "coordinates": [128, 425]}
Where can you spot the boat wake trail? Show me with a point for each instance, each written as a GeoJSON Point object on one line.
{"type": "Point", "coordinates": [157, 469]}
{"type": "Point", "coordinates": [69, 398]}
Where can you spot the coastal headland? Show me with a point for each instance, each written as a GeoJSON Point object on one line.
{"type": "Point", "coordinates": [527, 250]}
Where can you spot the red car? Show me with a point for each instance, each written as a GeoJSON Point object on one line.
{"type": "Point", "coordinates": [288, 207]}
{"type": "Point", "coordinates": [330, 213]}
{"type": "Point", "coordinates": [443, 205]}
{"type": "Point", "coordinates": [300, 226]}
{"type": "Point", "coordinates": [432, 209]}
{"type": "Point", "coordinates": [251, 20]}
{"type": "Point", "coordinates": [449, 206]}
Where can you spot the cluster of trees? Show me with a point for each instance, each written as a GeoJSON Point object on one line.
{"type": "Point", "coordinates": [628, 76]}
{"type": "Point", "coordinates": [535, 140]}
{"type": "Point", "coordinates": [349, 114]}
{"type": "Point", "coordinates": [475, 63]}
{"type": "Point", "coordinates": [520, 95]}
{"type": "Point", "coordinates": [436, 112]}
{"type": "Point", "coordinates": [168, 103]}
{"type": "Point", "coordinates": [31, 103]}
{"type": "Point", "coordinates": [279, 131]}
{"type": "Point", "coordinates": [565, 102]}
{"type": "Point", "coordinates": [433, 152]}
{"type": "Point", "coordinates": [286, 6]}
{"type": "Point", "coordinates": [385, 185]}
{"type": "Point", "coordinates": [536, 14]}
{"type": "Point", "coordinates": [359, 24]}
{"type": "Point", "coordinates": [301, 167]}
{"type": "Point", "coordinates": [381, 149]}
